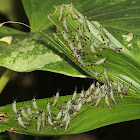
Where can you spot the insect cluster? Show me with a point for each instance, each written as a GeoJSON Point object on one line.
{"type": "Point", "coordinates": [84, 42]}
{"type": "Point", "coordinates": [46, 117]}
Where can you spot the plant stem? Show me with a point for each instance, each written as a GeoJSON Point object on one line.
{"type": "Point", "coordinates": [5, 78]}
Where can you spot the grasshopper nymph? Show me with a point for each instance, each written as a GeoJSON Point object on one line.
{"type": "Point", "coordinates": [24, 114]}
{"type": "Point", "coordinates": [38, 125]}
{"type": "Point", "coordinates": [55, 99]}
{"type": "Point", "coordinates": [35, 106]}
{"type": "Point", "coordinates": [61, 14]}
{"type": "Point", "coordinates": [14, 107]}
{"type": "Point", "coordinates": [21, 123]}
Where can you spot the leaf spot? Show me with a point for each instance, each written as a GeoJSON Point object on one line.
{"type": "Point", "coordinates": [128, 37]}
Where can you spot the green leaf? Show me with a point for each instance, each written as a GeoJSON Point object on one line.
{"type": "Point", "coordinates": [121, 18]}
{"type": "Point", "coordinates": [20, 51]}
{"type": "Point", "coordinates": [122, 66]}
{"type": "Point", "coordinates": [39, 20]}
{"type": "Point", "coordinates": [87, 119]}
{"type": "Point", "coordinates": [29, 52]}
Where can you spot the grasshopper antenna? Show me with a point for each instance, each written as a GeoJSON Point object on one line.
{"type": "Point", "coordinates": [15, 99]}
{"type": "Point", "coordinates": [35, 95]}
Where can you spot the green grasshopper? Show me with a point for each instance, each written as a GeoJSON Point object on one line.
{"type": "Point", "coordinates": [35, 106]}
{"type": "Point", "coordinates": [55, 99]}
{"type": "Point", "coordinates": [61, 14]}
{"type": "Point", "coordinates": [30, 113]}
{"type": "Point", "coordinates": [43, 118]}
{"type": "Point", "coordinates": [24, 114]}
{"type": "Point", "coordinates": [21, 123]}
{"type": "Point", "coordinates": [67, 122]}
{"type": "Point", "coordinates": [38, 125]}
{"type": "Point", "coordinates": [14, 107]}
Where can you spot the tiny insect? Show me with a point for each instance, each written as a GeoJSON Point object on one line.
{"type": "Point", "coordinates": [82, 94]}
{"type": "Point", "coordinates": [98, 46]}
{"type": "Point", "coordinates": [50, 121]}
{"type": "Point", "coordinates": [38, 125]}
{"type": "Point", "coordinates": [14, 107]}
{"type": "Point", "coordinates": [107, 101]}
{"type": "Point", "coordinates": [79, 58]}
{"type": "Point", "coordinates": [94, 73]}
{"type": "Point", "coordinates": [58, 116]}
{"type": "Point", "coordinates": [92, 48]}
{"type": "Point", "coordinates": [87, 92]}
{"type": "Point", "coordinates": [77, 36]}
{"type": "Point", "coordinates": [64, 112]}
{"type": "Point", "coordinates": [101, 61]}
{"type": "Point", "coordinates": [111, 85]}
{"type": "Point", "coordinates": [69, 103]}
{"type": "Point", "coordinates": [65, 25]}
{"type": "Point", "coordinates": [81, 34]}
{"type": "Point", "coordinates": [43, 118]}
{"type": "Point", "coordinates": [85, 24]}
{"type": "Point", "coordinates": [24, 114]}
{"type": "Point", "coordinates": [89, 99]}
{"type": "Point", "coordinates": [79, 45]}
{"type": "Point", "coordinates": [98, 99]}
{"type": "Point", "coordinates": [55, 99]}
{"type": "Point", "coordinates": [65, 117]}
{"type": "Point", "coordinates": [112, 96]}
{"type": "Point", "coordinates": [48, 109]}
{"type": "Point", "coordinates": [104, 88]}
{"type": "Point", "coordinates": [74, 94]}
{"type": "Point", "coordinates": [124, 91]}
{"type": "Point", "coordinates": [35, 106]}
{"type": "Point", "coordinates": [73, 49]}
{"type": "Point", "coordinates": [21, 123]}
{"type": "Point", "coordinates": [61, 14]}
{"type": "Point", "coordinates": [79, 99]}
{"type": "Point", "coordinates": [105, 74]}
{"type": "Point", "coordinates": [79, 106]}
{"type": "Point", "coordinates": [119, 90]}
{"type": "Point", "coordinates": [92, 87]}
{"type": "Point", "coordinates": [97, 91]}
{"type": "Point", "coordinates": [73, 12]}
{"type": "Point", "coordinates": [67, 122]}
{"type": "Point", "coordinates": [102, 33]}
{"type": "Point", "coordinates": [65, 36]}
{"type": "Point", "coordinates": [112, 47]}
{"type": "Point", "coordinates": [98, 84]}
{"type": "Point", "coordinates": [30, 113]}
